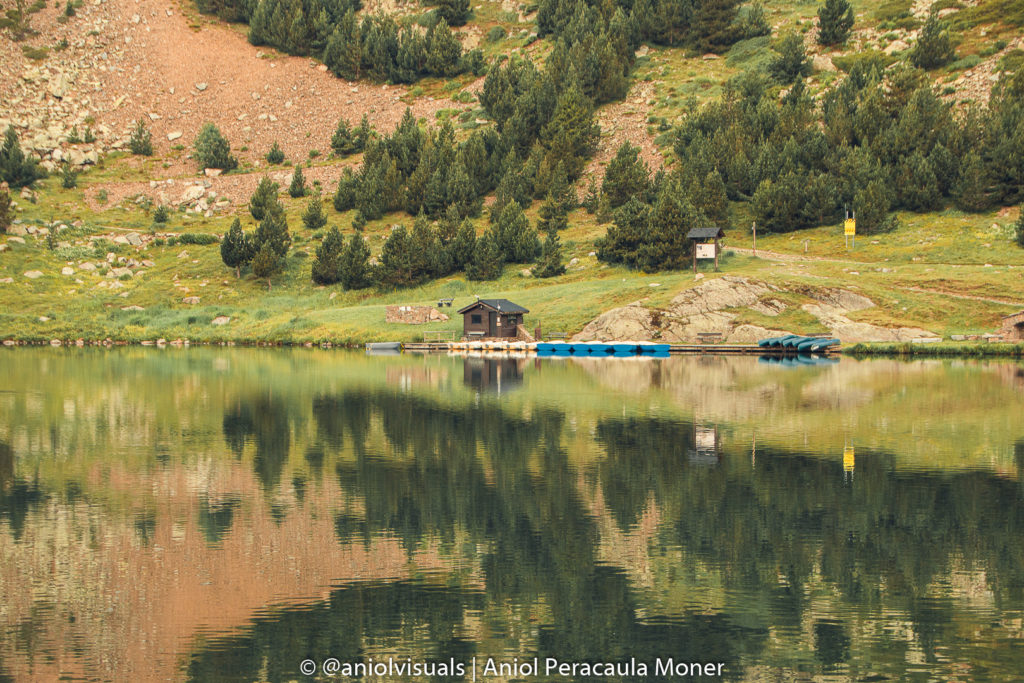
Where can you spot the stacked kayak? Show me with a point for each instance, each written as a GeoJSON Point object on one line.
{"type": "Point", "coordinates": [798, 343]}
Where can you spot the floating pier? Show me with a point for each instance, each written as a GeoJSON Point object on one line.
{"type": "Point", "coordinates": [603, 349]}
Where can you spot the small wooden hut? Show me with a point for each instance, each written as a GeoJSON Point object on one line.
{"type": "Point", "coordinates": [485, 318]}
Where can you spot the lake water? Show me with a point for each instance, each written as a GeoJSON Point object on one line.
{"type": "Point", "coordinates": [229, 514]}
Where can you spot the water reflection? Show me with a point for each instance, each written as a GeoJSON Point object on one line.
{"type": "Point", "coordinates": [495, 375]}
{"type": "Point", "coordinates": [311, 505]}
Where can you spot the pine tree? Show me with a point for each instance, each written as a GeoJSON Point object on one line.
{"type": "Point", "coordinates": [455, 12]}
{"type": "Point", "coordinates": [627, 236]}
{"type": "Point", "coordinates": [835, 19]}
{"type": "Point", "coordinates": [343, 142]}
{"type": "Point", "coordinates": [462, 246]}
{"type": "Point", "coordinates": [314, 217]}
{"type": "Point", "coordinates": [343, 52]}
{"type": "Point", "coordinates": [327, 267]}
{"type": "Point", "coordinates": [560, 200]}
{"type": "Point", "coordinates": [443, 50]}
{"type": "Point", "coordinates": [709, 196]}
{"type": "Point", "coordinates": [141, 141]}
{"type": "Point", "coordinates": [264, 197]}
{"type": "Point", "coordinates": [1019, 229]}
{"type": "Point", "coordinates": [355, 268]}
{"type": "Point", "coordinates": [934, 47]}
{"type": "Point", "coordinates": [571, 135]}
{"type": "Point", "coordinates": [212, 149]}
{"type": "Point", "coordinates": [6, 215]}
{"type": "Point", "coordinates": [917, 188]}
{"type": "Point", "coordinates": [972, 191]}
{"type": "Point", "coordinates": [486, 263]}
{"type": "Point", "coordinates": [297, 188]}
{"type": "Point", "coordinates": [627, 176]}
{"type": "Point", "coordinates": [15, 169]}
{"type": "Point", "coordinates": [362, 134]}
{"type": "Point", "coordinates": [517, 241]}
{"type": "Point", "coordinates": [871, 208]}
{"type": "Point", "coordinates": [396, 260]}
{"type": "Point", "coordinates": [345, 196]}
{"type": "Point", "coordinates": [550, 263]}
{"type": "Point", "coordinates": [273, 231]}
{"type": "Point", "coordinates": [266, 262]}
{"type": "Point", "coordinates": [275, 155]}
{"type": "Point", "coordinates": [791, 61]}
{"type": "Point", "coordinates": [236, 249]}
{"type": "Point", "coordinates": [428, 259]}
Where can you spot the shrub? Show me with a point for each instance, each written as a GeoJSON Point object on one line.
{"type": "Point", "coordinates": [141, 141]}
{"type": "Point", "coordinates": [199, 238]}
{"type": "Point", "coordinates": [15, 169]}
{"type": "Point", "coordinates": [1020, 230]}
{"type": "Point", "coordinates": [212, 149]}
{"type": "Point", "coordinates": [275, 155]}
{"type": "Point", "coordinates": [68, 177]}
{"type": "Point", "coordinates": [161, 215]}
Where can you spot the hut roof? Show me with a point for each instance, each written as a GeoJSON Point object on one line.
{"type": "Point", "coordinates": [705, 233]}
{"type": "Point", "coordinates": [499, 305]}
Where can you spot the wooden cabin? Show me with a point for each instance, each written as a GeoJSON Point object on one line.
{"type": "Point", "coordinates": [486, 318]}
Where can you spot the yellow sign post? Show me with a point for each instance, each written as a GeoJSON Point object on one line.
{"type": "Point", "coordinates": [850, 230]}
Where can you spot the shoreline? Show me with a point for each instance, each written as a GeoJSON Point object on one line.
{"type": "Point", "coordinates": [859, 350]}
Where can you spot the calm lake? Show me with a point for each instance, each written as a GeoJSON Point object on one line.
{"type": "Point", "coordinates": [232, 514]}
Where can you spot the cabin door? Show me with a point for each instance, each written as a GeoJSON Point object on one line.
{"type": "Point", "coordinates": [492, 324]}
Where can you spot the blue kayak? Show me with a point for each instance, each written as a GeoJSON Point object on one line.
{"type": "Point", "coordinates": [553, 347]}
{"type": "Point", "coordinates": [624, 347]}
{"type": "Point", "coordinates": [764, 343]}
{"type": "Point", "coordinates": [823, 344]}
{"type": "Point", "coordinates": [655, 348]}
{"type": "Point", "coordinates": [807, 344]}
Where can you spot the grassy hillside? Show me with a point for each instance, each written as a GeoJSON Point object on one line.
{"type": "Point", "coordinates": [948, 272]}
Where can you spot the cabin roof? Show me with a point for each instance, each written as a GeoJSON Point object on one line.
{"type": "Point", "coordinates": [499, 305]}
{"type": "Point", "coordinates": [705, 233]}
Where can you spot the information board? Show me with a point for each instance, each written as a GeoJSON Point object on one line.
{"type": "Point", "coordinates": [706, 251]}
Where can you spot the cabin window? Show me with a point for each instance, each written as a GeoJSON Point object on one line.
{"type": "Point", "coordinates": [475, 319]}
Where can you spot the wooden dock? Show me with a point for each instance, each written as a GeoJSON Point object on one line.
{"type": "Point", "coordinates": [681, 349]}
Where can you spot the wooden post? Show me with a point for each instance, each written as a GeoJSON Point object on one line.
{"type": "Point", "coordinates": [753, 227]}
{"type": "Point", "coordinates": [695, 257]}
{"type": "Point", "coordinates": [716, 254]}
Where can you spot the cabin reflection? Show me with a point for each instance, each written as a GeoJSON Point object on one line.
{"type": "Point", "coordinates": [493, 375]}
{"type": "Point", "coordinates": [706, 446]}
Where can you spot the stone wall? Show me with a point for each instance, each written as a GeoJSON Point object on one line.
{"type": "Point", "coordinates": [1013, 327]}
{"type": "Point", "coordinates": [413, 315]}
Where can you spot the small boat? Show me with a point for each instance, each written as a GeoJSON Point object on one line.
{"type": "Point", "coordinates": [651, 347]}
{"type": "Point", "coordinates": [823, 344]}
{"type": "Point", "coordinates": [780, 342]}
{"type": "Point", "coordinates": [623, 347]}
{"type": "Point", "coordinates": [792, 342]}
{"type": "Point", "coordinates": [383, 347]}
{"type": "Point", "coordinates": [580, 348]}
{"type": "Point", "coordinates": [770, 341]}
{"type": "Point", "coordinates": [806, 344]}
